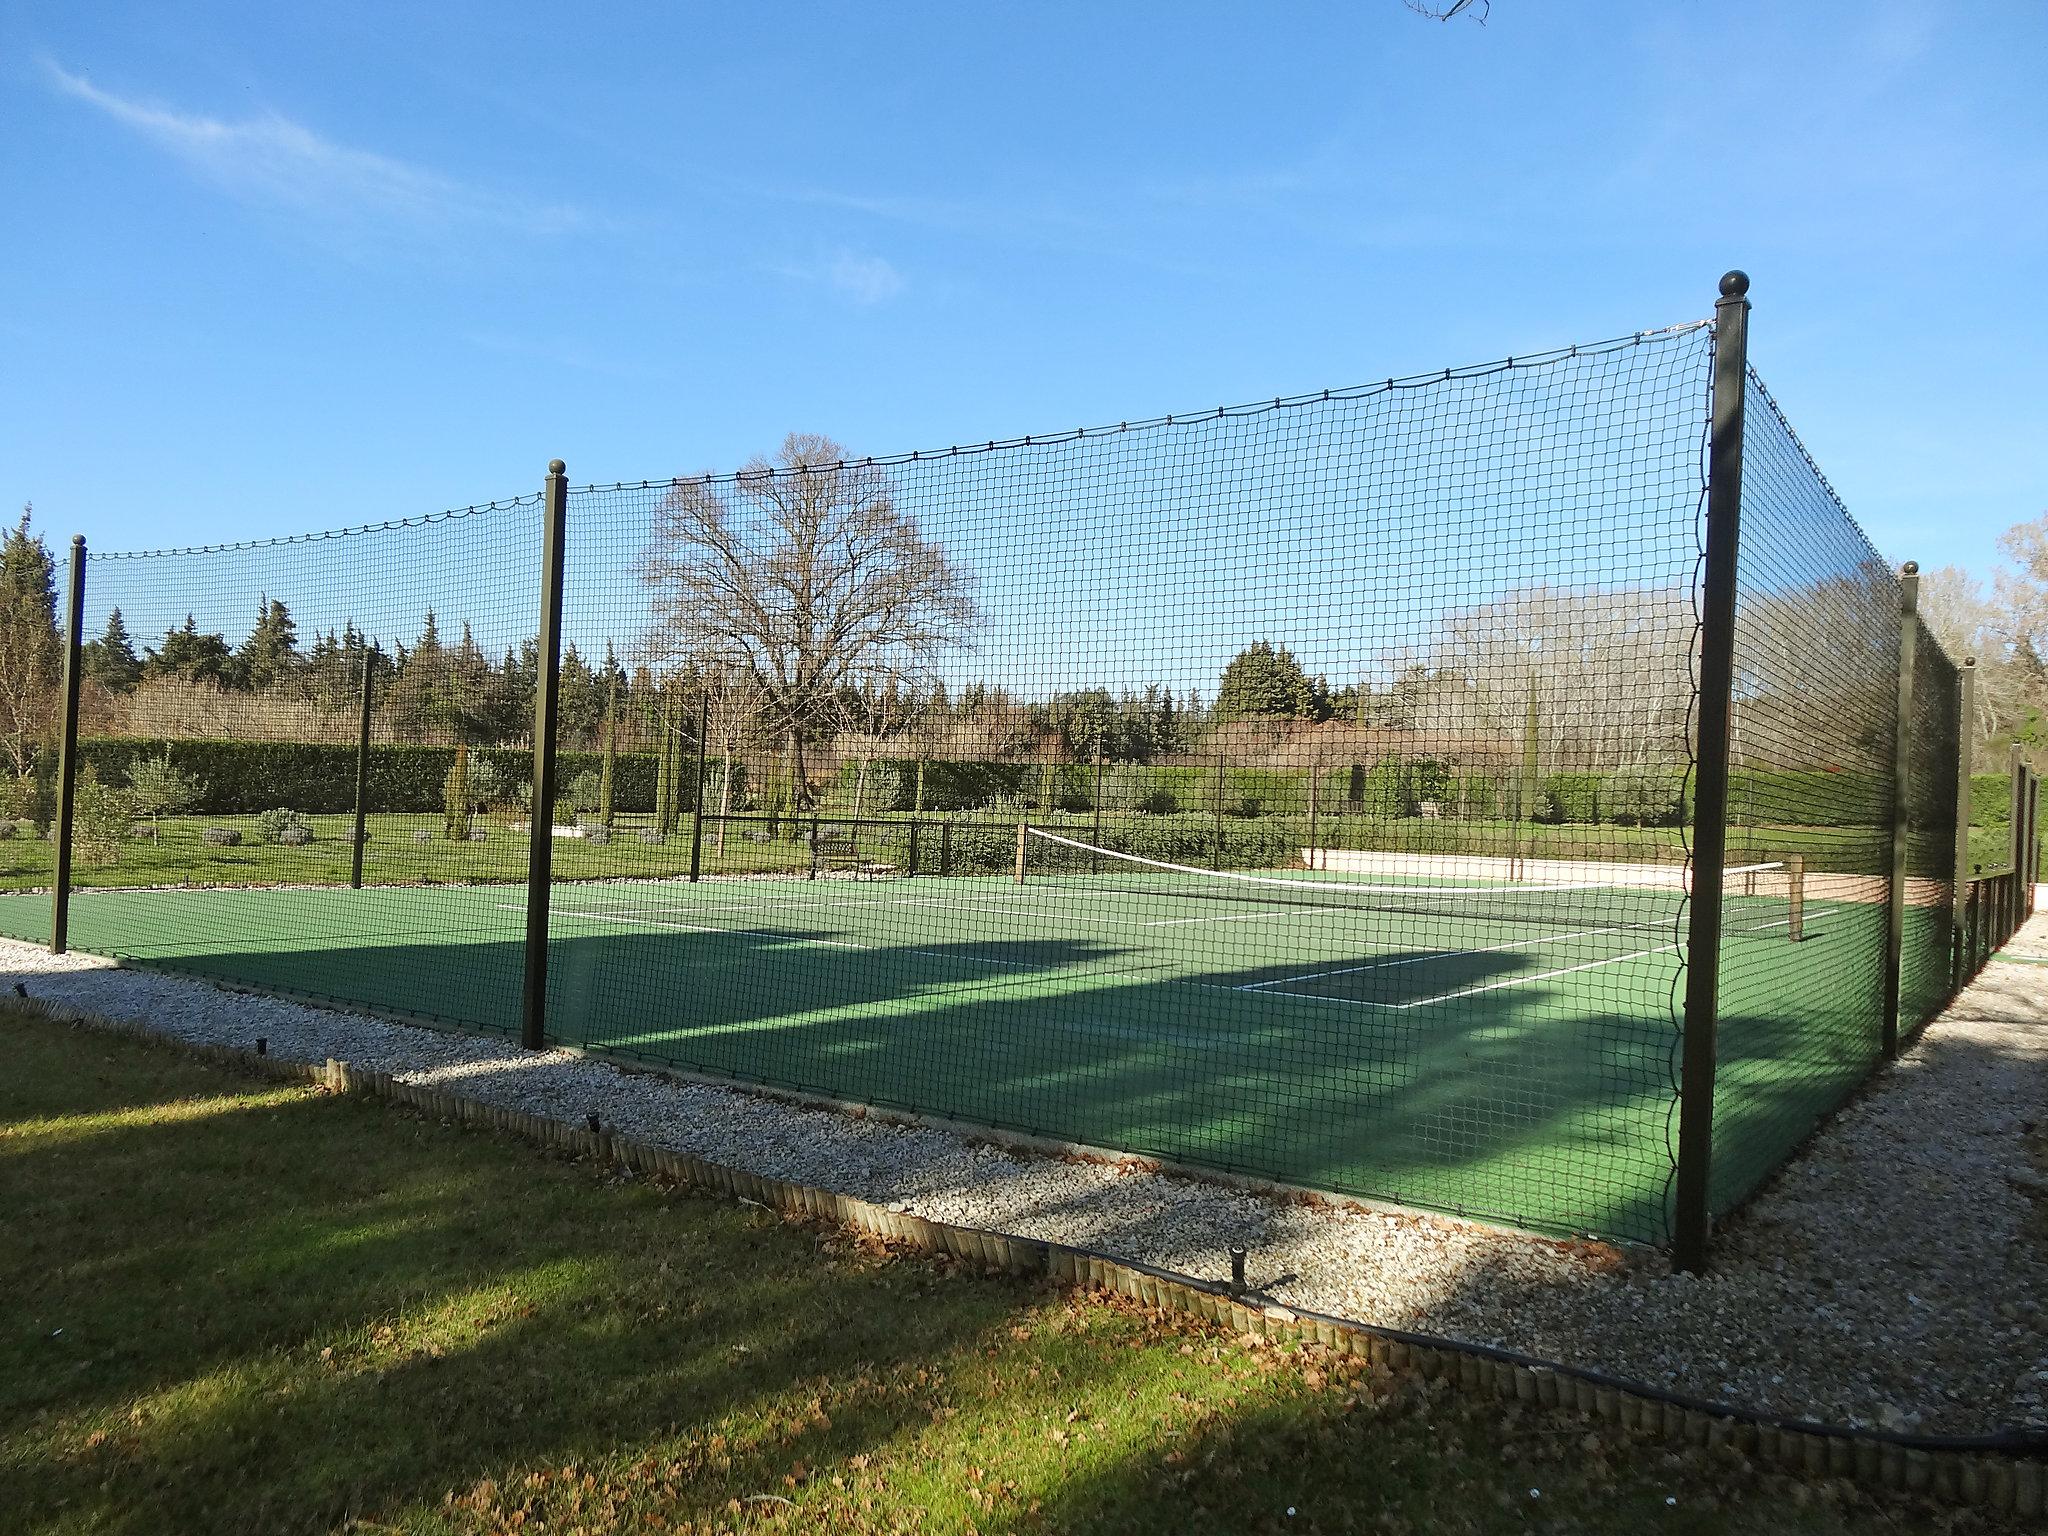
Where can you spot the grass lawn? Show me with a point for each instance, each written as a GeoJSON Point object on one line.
{"type": "Point", "coordinates": [235, 1306]}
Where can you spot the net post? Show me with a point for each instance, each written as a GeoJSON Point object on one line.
{"type": "Point", "coordinates": [1692, 1218]}
{"type": "Point", "coordinates": [1021, 834]}
{"type": "Point", "coordinates": [697, 803]}
{"type": "Point", "coordinates": [911, 852]}
{"type": "Point", "coordinates": [1525, 799]}
{"type": "Point", "coordinates": [816, 832]}
{"type": "Point", "coordinates": [67, 751]}
{"type": "Point", "coordinates": [1795, 888]}
{"type": "Point", "coordinates": [1902, 796]}
{"type": "Point", "coordinates": [1222, 773]}
{"type": "Point", "coordinates": [1095, 859]}
{"type": "Point", "coordinates": [945, 849]}
{"type": "Point", "coordinates": [1964, 938]}
{"type": "Point", "coordinates": [533, 1002]}
{"type": "Point", "coordinates": [1315, 772]}
{"type": "Point", "coordinates": [362, 826]}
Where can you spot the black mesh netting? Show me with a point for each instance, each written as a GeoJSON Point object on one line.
{"type": "Point", "coordinates": [1811, 783]}
{"type": "Point", "coordinates": [1296, 789]}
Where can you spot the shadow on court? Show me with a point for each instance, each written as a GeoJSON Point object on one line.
{"type": "Point", "coordinates": [1520, 1103]}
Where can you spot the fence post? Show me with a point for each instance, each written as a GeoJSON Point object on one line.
{"type": "Point", "coordinates": [1021, 835]}
{"type": "Point", "coordinates": [1902, 765]}
{"type": "Point", "coordinates": [1963, 807]}
{"type": "Point", "coordinates": [2033, 838]}
{"type": "Point", "coordinates": [355, 862]}
{"type": "Point", "coordinates": [67, 752]}
{"type": "Point", "coordinates": [697, 807]}
{"type": "Point", "coordinates": [533, 1002]}
{"type": "Point", "coordinates": [1692, 1218]}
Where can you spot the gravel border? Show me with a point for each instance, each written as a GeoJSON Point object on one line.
{"type": "Point", "coordinates": [1890, 1278]}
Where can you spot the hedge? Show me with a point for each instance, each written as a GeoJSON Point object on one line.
{"type": "Point", "coordinates": [244, 777]}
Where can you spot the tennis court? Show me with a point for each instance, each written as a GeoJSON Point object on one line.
{"type": "Point", "coordinates": [1498, 1048]}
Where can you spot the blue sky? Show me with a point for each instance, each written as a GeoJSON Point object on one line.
{"type": "Point", "coordinates": [278, 268]}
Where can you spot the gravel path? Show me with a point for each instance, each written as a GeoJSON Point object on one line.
{"type": "Point", "coordinates": [1891, 1278]}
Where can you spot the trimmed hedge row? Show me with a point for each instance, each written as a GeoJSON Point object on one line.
{"type": "Point", "coordinates": [243, 777]}
{"type": "Point", "coordinates": [240, 777]}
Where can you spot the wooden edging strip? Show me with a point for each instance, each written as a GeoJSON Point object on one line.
{"type": "Point", "coordinates": [2001, 1473]}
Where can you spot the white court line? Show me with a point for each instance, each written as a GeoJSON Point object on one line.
{"type": "Point", "coordinates": [1439, 954]}
{"type": "Point", "coordinates": [1490, 986]}
{"type": "Point", "coordinates": [1246, 917]}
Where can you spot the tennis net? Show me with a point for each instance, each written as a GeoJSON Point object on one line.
{"type": "Point", "coordinates": [1764, 900]}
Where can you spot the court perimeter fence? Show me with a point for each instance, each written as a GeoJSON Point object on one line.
{"type": "Point", "coordinates": [1517, 790]}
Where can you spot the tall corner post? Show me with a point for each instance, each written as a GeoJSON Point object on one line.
{"type": "Point", "coordinates": [2016, 826]}
{"type": "Point", "coordinates": [67, 752]}
{"type": "Point", "coordinates": [533, 1001]}
{"type": "Point", "coordinates": [697, 800]}
{"type": "Point", "coordinates": [362, 827]}
{"type": "Point", "coordinates": [1902, 764]}
{"type": "Point", "coordinates": [1692, 1220]}
{"type": "Point", "coordinates": [1965, 766]}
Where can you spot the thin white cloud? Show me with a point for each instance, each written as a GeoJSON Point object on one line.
{"type": "Point", "coordinates": [271, 161]}
{"type": "Point", "coordinates": [862, 278]}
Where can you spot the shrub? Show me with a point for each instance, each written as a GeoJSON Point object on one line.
{"type": "Point", "coordinates": [456, 804]}
{"type": "Point", "coordinates": [490, 784]}
{"type": "Point", "coordinates": [1642, 796]}
{"type": "Point", "coordinates": [296, 836]}
{"type": "Point", "coordinates": [651, 835]}
{"type": "Point", "coordinates": [159, 790]}
{"type": "Point", "coordinates": [6, 830]}
{"type": "Point", "coordinates": [271, 826]}
{"type": "Point", "coordinates": [18, 796]}
{"type": "Point", "coordinates": [1569, 797]}
{"type": "Point", "coordinates": [102, 817]}
{"type": "Point", "coordinates": [599, 834]}
{"type": "Point", "coordinates": [585, 792]}
{"type": "Point", "coordinates": [223, 837]}
{"type": "Point", "coordinates": [1387, 793]}
{"type": "Point", "coordinates": [1478, 797]}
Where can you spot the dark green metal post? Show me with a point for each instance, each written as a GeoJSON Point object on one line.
{"type": "Point", "coordinates": [1964, 764]}
{"type": "Point", "coordinates": [697, 808]}
{"type": "Point", "coordinates": [1902, 799]}
{"type": "Point", "coordinates": [362, 833]}
{"type": "Point", "coordinates": [1692, 1219]}
{"type": "Point", "coordinates": [533, 1003]}
{"type": "Point", "coordinates": [67, 752]}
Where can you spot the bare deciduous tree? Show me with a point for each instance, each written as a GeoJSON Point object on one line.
{"type": "Point", "coordinates": [804, 572]}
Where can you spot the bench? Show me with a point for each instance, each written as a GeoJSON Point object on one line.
{"type": "Point", "coordinates": [841, 851]}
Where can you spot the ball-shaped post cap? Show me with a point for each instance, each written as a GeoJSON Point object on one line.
{"type": "Point", "coordinates": [1734, 284]}
{"type": "Point", "coordinates": [1910, 568]}
{"type": "Point", "coordinates": [557, 467]}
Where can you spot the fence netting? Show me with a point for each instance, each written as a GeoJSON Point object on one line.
{"type": "Point", "coordinates": [1413, 657]}
{"type": "Point", "coordinates": [1298, 790]}
{"type": "Point", "coordinates": [1811, 783]}
{"type": "Point", "coordinates": [220, 719]}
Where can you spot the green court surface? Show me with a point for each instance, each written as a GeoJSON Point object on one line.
{"type": "Point", "coordinates": [1509, 1057]}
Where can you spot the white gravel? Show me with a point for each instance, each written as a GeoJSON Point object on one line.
{"type": "Point", "coordinates": [1892, 1277]}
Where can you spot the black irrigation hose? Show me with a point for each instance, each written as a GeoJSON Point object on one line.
{"type": "Point", "coordinates": [2023, 1442]}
